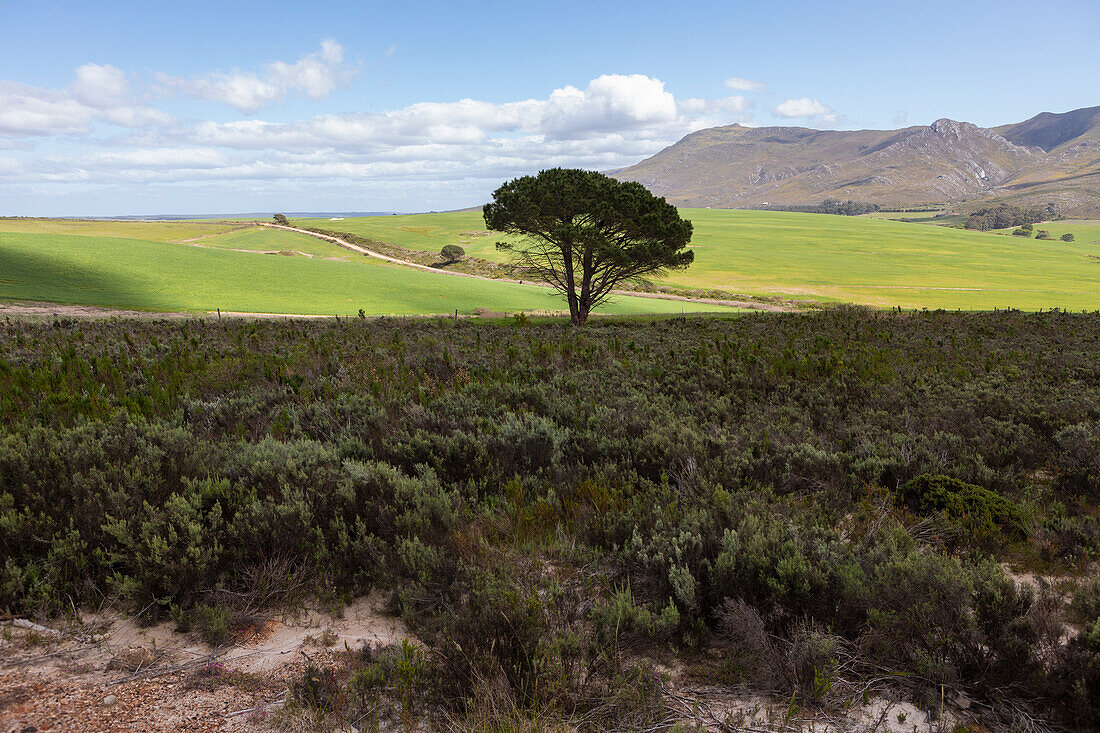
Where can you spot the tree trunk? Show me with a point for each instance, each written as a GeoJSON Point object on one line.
{"type": "Point", "coordinates": [581, 316]}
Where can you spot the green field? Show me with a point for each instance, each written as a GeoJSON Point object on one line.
{"type": "Point", "coordinates": [165, 276]}
{"type": "Point", "coordinates": [156, 231]}
{"type": "Point", "coordinates": [199, 266]}
{"type": "Point", "coordinates": [1084, 231]}
{"type": "Point", "coordinates": [831, 258]}
{"type": "Point", "coordinates": [935, 218]}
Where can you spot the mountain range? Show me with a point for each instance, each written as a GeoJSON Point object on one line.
{"type": "Point", "coordinates": [1050, 158]}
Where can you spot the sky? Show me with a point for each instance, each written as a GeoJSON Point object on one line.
{"type": "Point", "coordinates": [139, 108]}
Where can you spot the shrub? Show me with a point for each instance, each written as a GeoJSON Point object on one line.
{"type": "Point", "coordinates": [975, 509]}
{"type": "Point", "coordinates": [213, 624]}
{"type": "Point", "coordinates": [1067, 237]}
{"type": "Point", "coordinates": [1086, 600]}
{"type": "Point", "coordinates": [318, 689]}
{"type": "Point", "coordinates": [452, 253]}
{"type": "Point", "coordinates": [1043, 234]}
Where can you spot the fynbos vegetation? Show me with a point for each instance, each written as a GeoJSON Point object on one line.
{"type": "Point", "coordinates": [813, 505]}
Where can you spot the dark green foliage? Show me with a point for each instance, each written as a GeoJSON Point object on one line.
{"type": "Point", "coordinates": [831, 206]}
{"type": "Point", "coordinates": [584, 233]}
{"type": "Point", "coordinates": [1021, 232]}
{"type": "Point", "coordinates": [1067, 237]}
{"type": "Point", "coordinates": [1004, 216]}
{"type": "Point", "coordinates": [452, 253]}
{"type": "Point", "coordinates": [1043, 234]}
{"type": "Point", "coordinates": [281, 220]}
{"type": "Point", "coordinates": [1086, 601]}
{"type": "Point", "coordinates": [974, 509]}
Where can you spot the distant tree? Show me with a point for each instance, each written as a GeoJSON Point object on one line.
{"type": "Point", "coordinates": [281, 220]}
{"type": "Point", "coordinates": [1043, 234]}
{"type": "Point", "coordinates": [830, 206]}
{"type": "Point", "coordinates": [1067, 237]}
{"type": "Point", "coordinates": [584, 233]}
{"type": "Point", "coordinates": [1028, 227]}
{"type": "Point", "coordinates": [1004, 216]}
{"type": "Point", "coordinates": [452, 253]}
{"type": "Point", "coordinates": [1021, 232]}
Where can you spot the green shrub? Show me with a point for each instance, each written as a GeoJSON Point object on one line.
{"type": "Point", "coordinates": [213, 624]}
{"type": "Point", "coordinates": [976, 510]}
{"type": "Point", "coordinates": [1086, 600]}
{"type": "Point", "coordinates": [452, 253]}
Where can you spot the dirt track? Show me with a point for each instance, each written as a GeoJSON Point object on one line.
{"type": "Point", "coordinates": [747, 304]}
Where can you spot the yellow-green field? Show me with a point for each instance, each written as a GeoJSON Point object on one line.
{"type": "Point", "coordinates": [154, 270]}
{"type": "Point", "coordinates": [830, 258]}
{"type": "Point", "coordinates": [1084, 231]}
{"type": "Point", "coordinates": [199, 266]}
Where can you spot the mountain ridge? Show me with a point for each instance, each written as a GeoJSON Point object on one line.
{"type": "Point", "coordinates": [1049, 158]}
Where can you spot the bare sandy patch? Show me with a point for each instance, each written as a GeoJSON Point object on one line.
{"type": "Point", "coordinates": [106, 673]}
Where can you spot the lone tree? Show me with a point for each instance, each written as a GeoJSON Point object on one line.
{"type": "Point", "coordinates": [281, 220]}
{"type": "Point", "coordinates": [584, 233]}
{"type": "Point", "coordinates": [452, 253]}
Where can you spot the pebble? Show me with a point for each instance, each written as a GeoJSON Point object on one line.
{"type": "Point", "coordinates": [110, 700]}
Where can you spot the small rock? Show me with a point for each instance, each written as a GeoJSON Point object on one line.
{"type": "Point", "coordinates": [963, 701]}
{"type": "Point", "coordinates": [110, 700]}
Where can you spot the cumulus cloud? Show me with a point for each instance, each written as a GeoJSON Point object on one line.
{"type": "Point", "coordinates": [314, 75]}
{"type": "Point", "coordinates": [804, 107]}
{"type": "Point", "coordinates": [98, 93]}
{"type": "Point", "coordinates": [100, 86]}
{"type": "Point", "coordinates": [612, 121]}
{"type": "Point", "coordinates": [743, 85]}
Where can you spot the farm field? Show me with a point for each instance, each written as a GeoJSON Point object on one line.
{"type": "Point", "coordinates": [935, 218]}
{"type": "Point", "coordinates": [155, 231]}
{"type": "Point", "coordinates": [1084, 231]}
{"type": "Point", "coordinates": [165, 276]}
{"type": "Point", "coordinates": [828, 258]}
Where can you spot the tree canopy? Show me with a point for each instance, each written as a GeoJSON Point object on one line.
{"type": "Point", "coordinates": [584, 233]}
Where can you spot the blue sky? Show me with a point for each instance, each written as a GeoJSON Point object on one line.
{"type": "Point", "coordinates": [217, 107]}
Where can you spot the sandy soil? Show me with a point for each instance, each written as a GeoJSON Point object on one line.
{"type": "Point", "coordinates": [47, 310]}
{"type": "Point", "coordinates": [107, 674]}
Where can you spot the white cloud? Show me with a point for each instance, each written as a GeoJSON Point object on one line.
{"type": "Point", "coordinates": [100, 86]}
{"type": "Point", "coordinates": [804, 107]}
{"type": "Point", "coordinates": [610, 122]}
{"type": "Point", "coordinates": [743, 85]}
{"type": "Point", "coordinates": [99, 93]}
{"type": "Point", "coordinates": [314, 75]}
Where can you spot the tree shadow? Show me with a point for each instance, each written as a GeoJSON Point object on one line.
{"type": "Point", "coordinates": [39, 276]}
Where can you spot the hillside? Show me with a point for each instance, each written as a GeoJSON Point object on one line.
{"type": "Point", "coordinates": [828, 258]}
{"type": "Point", "coordinates": [166, 267]}
{"type": "Point", "coordinates": [1048, 158]}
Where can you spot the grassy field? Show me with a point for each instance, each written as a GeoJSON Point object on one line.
{"type": "Point", "coordinates": [156, 231]}
{"type": "Point", "coordinates": [164, 276]}
{"type": "Point", "coordinates": [830, 258]}
{"type": "Point", "coordinates": [1084, 231]}
{"type": "Point", "coordinates": [935, 218]}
